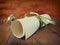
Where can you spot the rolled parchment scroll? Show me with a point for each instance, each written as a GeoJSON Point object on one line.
{"type": "Point", "coordinates": [27, 26]}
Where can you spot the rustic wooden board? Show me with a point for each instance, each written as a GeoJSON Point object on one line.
{"type": "Point", "coordinates": [42, 36]}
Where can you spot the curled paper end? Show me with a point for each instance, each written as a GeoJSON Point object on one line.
{"type": "Point", "coordinates": [16, 28]}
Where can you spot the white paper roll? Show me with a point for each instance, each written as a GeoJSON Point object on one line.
{"type": "Point", "coordinates": [27, 26]}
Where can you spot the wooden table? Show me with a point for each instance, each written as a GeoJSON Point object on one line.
{"type": "Point", "coordinates": [42, 36]}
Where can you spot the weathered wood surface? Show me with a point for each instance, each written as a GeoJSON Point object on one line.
{"type": "Point", "coordinates": [42, 36]}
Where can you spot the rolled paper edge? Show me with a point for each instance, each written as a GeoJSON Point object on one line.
{"type": "Point", "coordinates": [14, 33]}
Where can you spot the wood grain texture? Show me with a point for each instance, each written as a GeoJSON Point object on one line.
{"type": "Point", "coordinates": [19, 7]}
{"type": "Point", "coordinates": [41, 37]}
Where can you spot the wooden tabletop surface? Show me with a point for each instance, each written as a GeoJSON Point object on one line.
{"type": "Point", "coordinates": [42, 36]}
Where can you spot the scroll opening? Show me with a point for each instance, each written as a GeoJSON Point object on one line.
{"type": "Point", "coordinates": [17, 29]}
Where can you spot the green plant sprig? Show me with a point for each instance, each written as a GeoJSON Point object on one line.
{"type": "Point", "coordinates": [42, 22]}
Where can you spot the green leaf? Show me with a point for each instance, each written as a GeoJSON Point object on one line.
{"type": "Point", "coordinates": [45, 20]}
